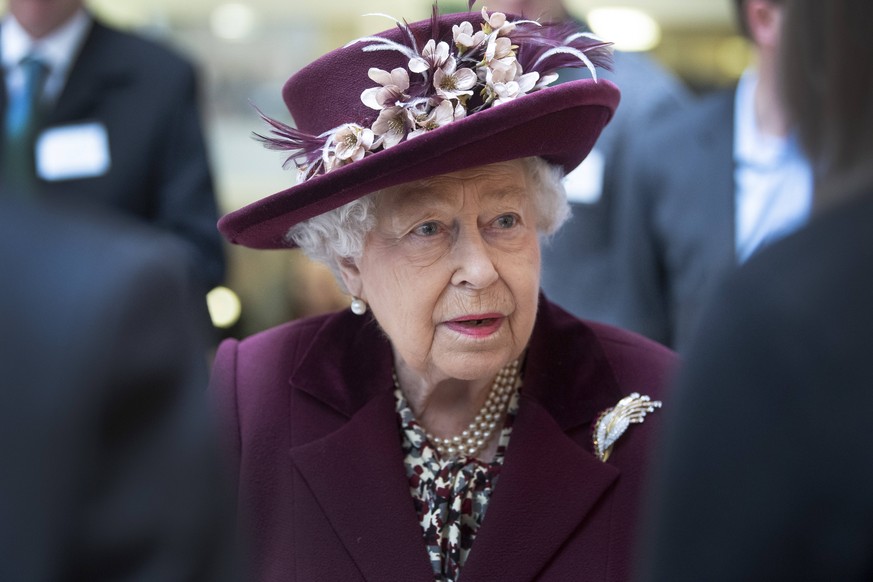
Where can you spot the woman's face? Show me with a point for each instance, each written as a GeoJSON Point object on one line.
{"type": "Point", "coordinates": [451, 271]}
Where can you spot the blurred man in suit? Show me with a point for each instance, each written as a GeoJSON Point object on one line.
{"type": "Point", "coordinates": [708, 187]}
{"type": "Point", "coordinates": [768, 464]}
{"type": "Point", "coordinates": [579, 263]}
{"type": "Point", "coordinates": [104, 118]}
{"type": "Point", "coordinates": [109, 467]}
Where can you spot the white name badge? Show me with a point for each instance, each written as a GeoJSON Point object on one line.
{"type": "Point", "coordinates": [584, 185]}
{"type": "Point", "coordinates": [73, 151]}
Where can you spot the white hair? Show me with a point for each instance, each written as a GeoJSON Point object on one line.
{"type": "Point", "coordinates": [338, 235]}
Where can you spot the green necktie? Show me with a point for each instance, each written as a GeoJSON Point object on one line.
{"type": "Point", "coordinates": [18, 176]}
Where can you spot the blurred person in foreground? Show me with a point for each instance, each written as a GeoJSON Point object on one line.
{"type": "Point", "coordinates": [106, 119]}
{"type": "Point", "coordinates": [707, 188]}
{"type": "Point", "coordinates": [371, 443]}
{"type": "Point", "coordinates": [110, 460]}
{"type": "Point", "coordinates": [769, 464]}
{"type": "Point", "coordinates": [579, 263]}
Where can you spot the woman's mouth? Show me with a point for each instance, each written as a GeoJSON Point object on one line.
{"type": "Point", "coordinates": [479, 325]}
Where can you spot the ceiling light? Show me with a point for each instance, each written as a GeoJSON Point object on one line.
{"type": "Point", "coordinates": [630, 29]}
{"type": "Point", "coordinates": [224, 307]}
{"type": "Point", "coordinates": [233, 21]}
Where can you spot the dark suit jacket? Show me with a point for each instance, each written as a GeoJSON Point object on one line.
{"type": "Point", "coordinates": [677, 221]}
{"type": "Point", "coordinates": [109, 464]}
{"type": "Point", "coordinates": [579, 263]}
{"type": "Point", "coordinates": [315, 438]}
{"type": "Point", "coordinates": [146, 97]}
{"type": "Point", "coordinates": [769, 465]}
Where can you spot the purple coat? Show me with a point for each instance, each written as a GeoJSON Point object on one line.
{"type": "Point", "coordinates": [322, 488]}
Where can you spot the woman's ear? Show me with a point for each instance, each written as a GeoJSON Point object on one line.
{"type": "Point", "coordinates": [351, 275]}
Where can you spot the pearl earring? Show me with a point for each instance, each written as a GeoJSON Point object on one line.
{"type": "Point", "coordinates": [359, 307]}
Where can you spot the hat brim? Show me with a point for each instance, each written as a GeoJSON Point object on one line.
{"type": "Point", "coordinates": [559, 124]}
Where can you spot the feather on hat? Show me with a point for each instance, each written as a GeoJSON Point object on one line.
{"type": "Point", "coordinates": [423, 99]}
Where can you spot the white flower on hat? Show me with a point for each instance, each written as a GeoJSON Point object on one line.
{"type": "Point", "coordinates": [433, 56]}
{"type": "Point", "coordinates": [453, 83]}
{"type": "Point", "coordinates": [499, 53]}
{"type": "Point", "coordinates": [349, 143]}
{"type": "Point", "coordinates": [497, 22]}
{"type": "Point", "coordinates": [392, 91]}
{"type": "Point", "coordinates": [442, 114]}
{"type": "Point", "coordinates": [392, 125]}
{"type": "Point", "coordinates": [465, 38]}
{"type": "Point", "coordinates": [505, 85]}
{"type": "Point", "coordinates": [461, 76]}
{"type": "Point", "coordinates": [545, 80]}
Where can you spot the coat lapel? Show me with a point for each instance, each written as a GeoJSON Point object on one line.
{"type": "Point", "coordinates": [355, 468]}
{"type": "Point", "coordinates": [547, 487]}
{"type": "Point", "coordinates": [356, 474]}
{"type": "Point", "coordinates": [549, 482]}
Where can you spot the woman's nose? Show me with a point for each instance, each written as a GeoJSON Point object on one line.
{"type": "Point", "coordinates": [474, 265]}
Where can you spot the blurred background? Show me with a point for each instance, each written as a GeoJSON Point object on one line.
{"type": "Point", "coordinates": [246, 50]}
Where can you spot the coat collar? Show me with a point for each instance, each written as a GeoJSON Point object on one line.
{"type": "Point", "coordinates": [562, 355]}
{"type": "Point", "coordinates": [349, 362]}
{"type": "Point", "coordinates": [548, 481]}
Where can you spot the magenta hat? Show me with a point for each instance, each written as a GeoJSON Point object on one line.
{"type": "Point", "coordinates": [433, 97]}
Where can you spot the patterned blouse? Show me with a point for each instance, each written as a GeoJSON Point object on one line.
{"type": "Point", "coordinates": [450, 495]}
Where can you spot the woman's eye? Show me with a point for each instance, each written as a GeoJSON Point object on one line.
{"type": "Point", "coordinates": [506, 221]}
{"type": "Point", "coordinates": [427, 229]}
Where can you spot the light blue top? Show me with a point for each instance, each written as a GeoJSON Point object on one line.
{"type": "Point", "coordinates": [774, 182]}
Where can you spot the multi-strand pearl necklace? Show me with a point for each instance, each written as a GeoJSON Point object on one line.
{"type": "Point", "coordinates": [474, 438]}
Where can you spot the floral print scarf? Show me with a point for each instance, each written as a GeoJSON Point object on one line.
{"type": "Point", "coordinates": [450, 495]}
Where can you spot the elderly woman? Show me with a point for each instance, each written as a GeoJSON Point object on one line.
{"type": "Point", "coordinates": [454, 420]}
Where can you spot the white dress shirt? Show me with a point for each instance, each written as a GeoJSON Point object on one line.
{"type": "Point", "coordinates": [774, 182]}
{"type": "Point", "coordinates": [58, 50]}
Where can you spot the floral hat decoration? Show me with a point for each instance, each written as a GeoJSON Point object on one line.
{"type": "Point", "coordinates": [432, 97]}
